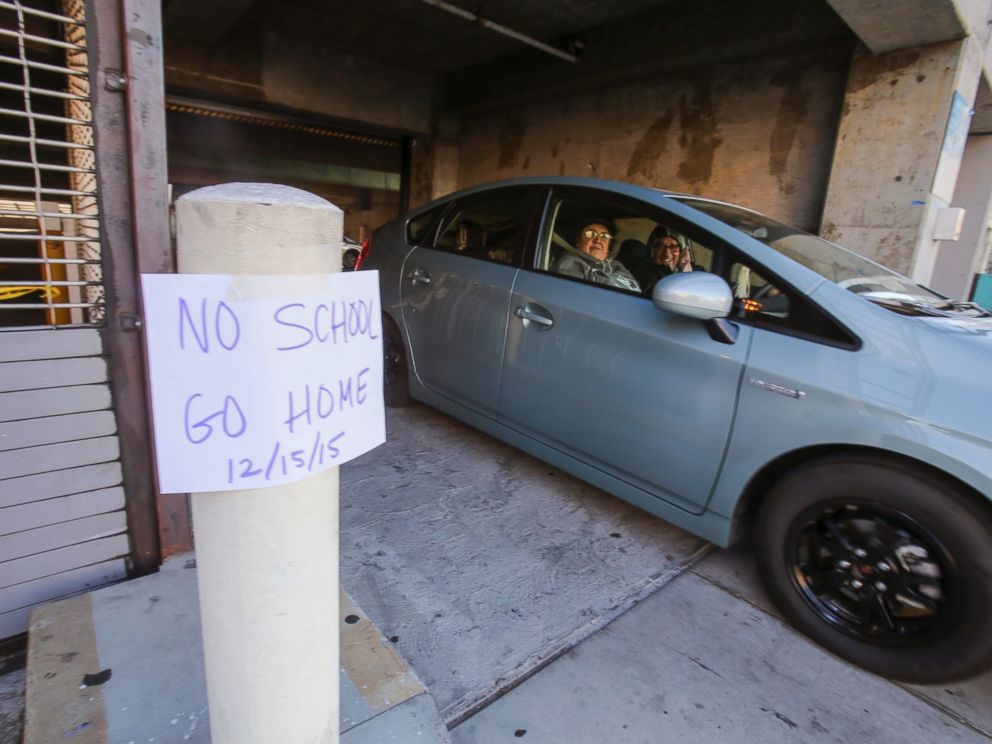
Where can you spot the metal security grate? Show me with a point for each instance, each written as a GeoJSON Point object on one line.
{"type": "Point", "coordinates": [50, 271]}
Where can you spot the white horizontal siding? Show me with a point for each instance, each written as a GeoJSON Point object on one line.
{"type": "Point", "coordinates": [61, 509]}
{"type": "Point", "coordinates": [63, 528]}
{"type": "Point", "coordinates": [48, 373]}
{"type": "Point", "coordinates": [55, 343]}
{"type": "Point", "coordinates": [53, 562]}
{"type": "Point", "coordinates": [52, 536]}
{"type": "Point", "coordinates": [54, 429]}
{"type": "Point", "coordinates": [28, 404]}
{"type": "Point", "coordinates": [60, 585]}
{"type": "Point", "coordinates": [64, 455]}
{"type": "Point", "coordinates": [30, 488]}
{"type": "Point", "coordinates": [15, 622]}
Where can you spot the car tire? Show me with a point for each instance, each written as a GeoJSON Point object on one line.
{"type": "Point", "coordinates": [395, 373]}
{"type": "Point", "coordinates": [885, 563]}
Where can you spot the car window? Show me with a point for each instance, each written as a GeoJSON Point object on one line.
{"type": "Point", "coordinates": [855, 273]}
{"type": "Point", "coordinates": [767, 303]}
{"type": "Point", "coordinates": [616, 243]}
{"type": "Point", "coordinates": [490, 226]}
{"type": "Point", "coordinates": [756, 295]}
{"type": "Point", "coordinates": [418, 229]}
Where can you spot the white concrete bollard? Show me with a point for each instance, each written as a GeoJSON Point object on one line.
{"type": "Point", "coordinates": [267, 558]}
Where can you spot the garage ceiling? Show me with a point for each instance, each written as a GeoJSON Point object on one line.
{"type": "Point", "coordinates": [417, 36]}
{"type": "Point", "coordinates": [407, 33]}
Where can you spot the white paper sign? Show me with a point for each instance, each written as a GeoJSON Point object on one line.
{"type": "Point", "coordinates": [262, 380]}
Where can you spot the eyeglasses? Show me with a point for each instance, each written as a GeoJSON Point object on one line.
{"type": "Point", "coordinates": [590, 234]}
{"type": "Point", "coordinates": [659, 246]}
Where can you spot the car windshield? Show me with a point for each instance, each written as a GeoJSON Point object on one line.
{"type": "Point", "coordinates": [848, 269]}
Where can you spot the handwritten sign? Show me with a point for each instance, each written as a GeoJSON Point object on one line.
{"type": "Point", "coordinates": [254, 385]}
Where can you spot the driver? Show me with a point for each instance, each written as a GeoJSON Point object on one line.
{"type": "Point", "coordinates": [593, 258]}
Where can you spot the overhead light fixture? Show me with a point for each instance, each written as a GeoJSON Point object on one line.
{"type": "Point", "coordinates": [501, 29]}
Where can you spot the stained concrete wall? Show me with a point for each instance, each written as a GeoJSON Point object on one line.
{"type": "Point", "coordinates": [759, 132]}
{"type": "Point", "coordinates": [434, 162]}
{"type": "Point", "coordinates": [896, 162]}
{"type": "Point", "coordinates": [258, 66]}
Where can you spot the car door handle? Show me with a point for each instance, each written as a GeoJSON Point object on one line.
{"type": "Point", "coordinates": [537, 314]}
{"type": "Point", "coordinates": [419, 276]}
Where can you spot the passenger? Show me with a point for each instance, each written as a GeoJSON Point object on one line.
{"type": "Point", "coordinates": [671, 254]}
{"type": "Point", "coordinates": [594, 258]}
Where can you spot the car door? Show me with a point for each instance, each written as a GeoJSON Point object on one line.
{"type": "Point", "coordinates": [602, 375]}
{"type": "Point", "coordinates": [455, 294]}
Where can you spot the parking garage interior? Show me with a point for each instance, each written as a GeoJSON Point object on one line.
{"type": "Point", "coordinates": [750, 102]}
{"type": "Point", "coordinates": [865, 125]}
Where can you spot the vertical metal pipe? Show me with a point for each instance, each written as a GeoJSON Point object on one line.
{"type": "Point", "coordinates": [121, 334]}
{"type": "Point", "coordinates": [144, 90]}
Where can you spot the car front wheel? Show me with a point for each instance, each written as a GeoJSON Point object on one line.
{"type": "Point", "coordinates": [882, 562]}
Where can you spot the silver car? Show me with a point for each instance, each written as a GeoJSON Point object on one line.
{"type": "Point", "coordinates": [748, 379]}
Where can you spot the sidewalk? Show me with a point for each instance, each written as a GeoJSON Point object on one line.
{"type": "Point", "coordinates": [531, 607]}
{"type": "Point", "coordinates": [705, 659]}
{"type": "Point", "coordinates": [124, 664]}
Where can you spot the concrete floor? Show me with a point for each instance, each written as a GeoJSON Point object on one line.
{"type": "Point", "coordinates": [535, 607]}
{"type": "Point", "coordinates": [483, 562]}
{"type": "Point", "coordinates": [704, 660]}
{"type": "Point", "coordinates": [494, 572]}
{"type": "Point", "coordinates": [11, 706]}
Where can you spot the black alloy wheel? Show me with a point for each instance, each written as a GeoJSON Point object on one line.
{"type": "Point", "coordinates": [884, 562]}
{"type": "Point", "coordinates": [872, 572]}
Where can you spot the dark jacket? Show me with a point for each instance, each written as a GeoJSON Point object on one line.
{"type": "Point", "coordinates": [609, 271]}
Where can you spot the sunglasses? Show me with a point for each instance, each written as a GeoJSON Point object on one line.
{"type": "Point", "coordinates": [590, 234]}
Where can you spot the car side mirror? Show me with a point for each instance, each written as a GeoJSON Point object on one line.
{"type": "Point", "coordinates": [699, 294]}
{"type": "Point", "coordinates": [694, 294]}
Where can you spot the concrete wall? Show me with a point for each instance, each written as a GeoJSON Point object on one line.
{"type": "Point", "coordinates": [375, 209]}
{"type": "Point", "coordinates": [761, 133]}
{"type": "Point", "coordinates": [904, 124]}
{"type": "Point", "coordinates": [434, 162]}
{"type": "Point", "coordinates": [258, 66]}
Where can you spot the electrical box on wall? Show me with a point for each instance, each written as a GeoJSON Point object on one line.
{"type": "Point", "coordinates": [948, 224]}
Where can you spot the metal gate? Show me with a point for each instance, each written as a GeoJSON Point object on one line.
{"type": "Point", "coordinates": [63, 525]}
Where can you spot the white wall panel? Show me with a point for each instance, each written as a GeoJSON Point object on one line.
{"type": "Point", "coordinates": [62, 509]}
{"type": "Point", "coordinates": [43, 486]}
{"type": "Point", "coordinates": [54, 343]}
{"type": "Point", "coordinates": [54, 536]}
{"type": "Point", "coordinates": [60, 585]}
{"type": "Point", "coordinates": [64, 559]}
{"type": "Point", "coordinates": [48, 373]}
{"type": "Point", "coordinates": [53, 401]}
{"type": "Point", "coordinates": [51, 456]}
{"type": "Point", "coordinates": [54, 429]}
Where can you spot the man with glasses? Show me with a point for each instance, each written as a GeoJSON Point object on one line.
{"type": "Point", "coordinates": [593, 258]}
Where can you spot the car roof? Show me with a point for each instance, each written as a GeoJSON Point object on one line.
{"type": "Point", "coordinates": [621, 186]}
{"type": "Point", "coordinates": [649, 193]}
